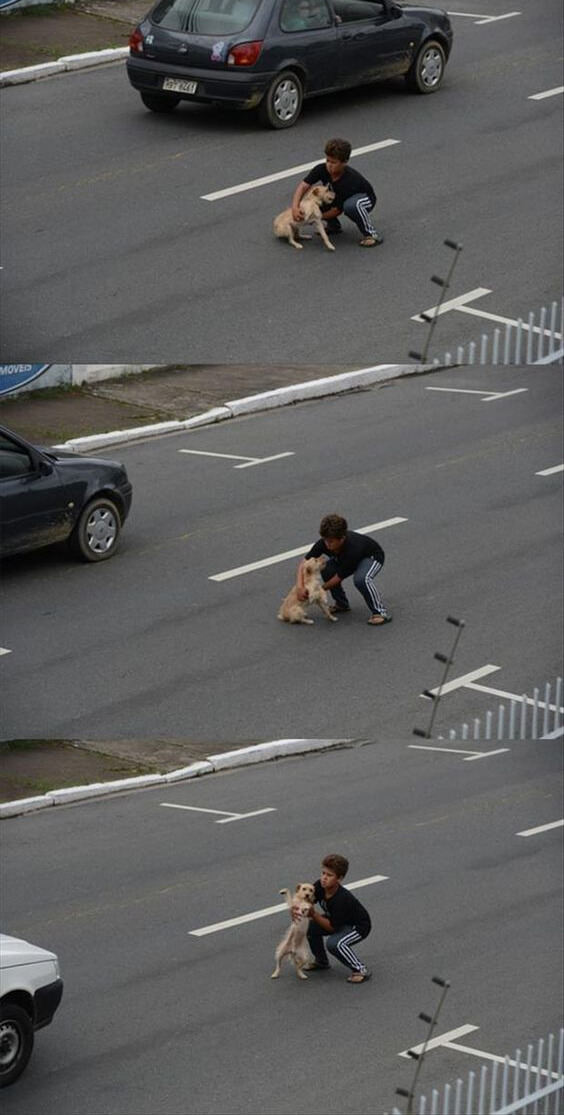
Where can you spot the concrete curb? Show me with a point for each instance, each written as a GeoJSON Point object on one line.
{"type": "Point", "coordinates": [282, 396]}
{"type": "Point", "coordinates": [63, 65]}
{"type": "Point", "coordinates": [243, 756]}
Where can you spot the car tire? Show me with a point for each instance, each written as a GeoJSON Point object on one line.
{"type": "Point", "coordinates": [16, 1042]}
{"type": "Point", "coordinates": [427, 72]}
{"type": "Point", "coordinates": [160, 102]}
{"type": "Point", "coordinates": [97, 530]}
{"type": "Point", "coordinates": [282, 102]}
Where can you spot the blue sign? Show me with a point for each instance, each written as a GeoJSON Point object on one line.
{"type": "Point", "coordinates": [18, 375]}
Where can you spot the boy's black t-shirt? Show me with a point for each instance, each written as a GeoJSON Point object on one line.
{"type": "Point", "coordinates": [343, 909]}
{"type": "Point", "coordinates": [350, 182]}
{"type": "Point", "coordinates": [356, 547]}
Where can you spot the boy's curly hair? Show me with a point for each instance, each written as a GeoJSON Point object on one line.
{"type": "Point", "coordinates": [336, 863]}
{"type": "Point", "coordinates": [333, 526]}
{"type": "Point", "coordinates": [338, 149]}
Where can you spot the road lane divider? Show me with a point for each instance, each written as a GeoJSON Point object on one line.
{"type": "Point", "coordinates": [298, 551]}
{"type": "Point", "coordinates": [267, 911]}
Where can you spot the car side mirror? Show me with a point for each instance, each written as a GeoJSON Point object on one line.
{"type": "Point", "coordinates": [45, 469]}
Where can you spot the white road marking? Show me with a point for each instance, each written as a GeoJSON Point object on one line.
{"type": "Point", "coordinates": [548, 93]}
{"type": "Point", "coordinates": [487, 396]}
{"type": "Point", "coordinates": [249, 461]}
{"type": "Point", "coordinates": [461, 304]}
{"type": "Point", "coordinates": [541, 828]}
{"type": "Point", "coordinates": [225, 817]}
{"type": "Point", "coordinates": [268, 910]}
{"type": "Point", "coordinates": [447, 1042]}
{"type": "Point", "coordinates": [454, 303]}
{"type": "Point", "coordinates": [254, 183]}
{"type": "Point", "coordinates": [470, 755]}
{"type": "Point", "coordinates": [298, 552]}
{"type": "Point", "coordinates": [464, 679]}
{"type": "Point", "coordinates": [510, 696]}
{"type": "Point", "coordinates": [441, 1039]}
{"type": "Point", "coordinates": [4, 650]}
{"type": "Point", "coordinates": [550, 471]}
{"type": "Point", "coordinates": [479, 19]}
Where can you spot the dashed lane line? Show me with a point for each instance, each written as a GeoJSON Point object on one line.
{"type": "Point", "coordinates": [541, 828]}
{"type": "Point", "coordinates": [298, 552]}
{"type": "Point", "coordinates": [254, 183]}
{"type": "Point", "coordinates": [267, 911]}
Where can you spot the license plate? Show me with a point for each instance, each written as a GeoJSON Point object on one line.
{"type": "Point", "coordinates": [176, 85]}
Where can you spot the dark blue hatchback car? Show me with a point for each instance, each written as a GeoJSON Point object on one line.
{"type": "Point", "coordinates": [270, 54]}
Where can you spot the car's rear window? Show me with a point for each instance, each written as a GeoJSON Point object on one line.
{"type": "Point", "coordinates": [205, 17]}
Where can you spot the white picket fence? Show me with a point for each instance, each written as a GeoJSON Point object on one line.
{"type": "Point", "coordinates": [532, 1085]}
{"type": "Point", "coordinates": [523, 342]}
{"type": "Point", "coordinates": [525, 718]}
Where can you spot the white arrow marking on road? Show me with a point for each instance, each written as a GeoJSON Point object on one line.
{"type": "Point", "coordinates": [464, 679]}
{"type": "Point", "coordinates": [4, 650]}
{"type": "Point", "coordinates": [441, 1039]}
{"type": "Point", "coordinates": [268, 910]}
{"type": "Point", "coordinates": [471, 755]}
{"type": "Point", "coordinates": [479, 19]}
{"type": "Point", "coordinates": [299, 551]}
{"type": "Point", "coordinates": [293, 170]}
{"type": "Point", "coordinates": [550, 471]}
{"type": "Point", "coordinates": [249, 461]}
{"type": "Point", "coordinates": [226, 817]}
{"type": "Point", "coordinates": [454, 303]}
{"type": "Point", "coordinates": [461, 304]}
{"type": "Point", "coordinates": [548, 93]}
{"type": "Point", "coordinates": [541, 828]}
{"type": "Point", "coordinates": [447, 1042]}
{"type": "Point", "coordinates": [487, 396]}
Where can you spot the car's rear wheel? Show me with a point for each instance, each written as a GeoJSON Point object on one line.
{"type": "Point", "coordinates": [16, 1042]}
{"type": "Point", "coordinates": [96, 533]}
{"type": "Point", "coordinates": [160, 102]}
{"type": "Point", "coordinates": [282, 102]}
{"type": "Point", "coordinates": [427, 71]}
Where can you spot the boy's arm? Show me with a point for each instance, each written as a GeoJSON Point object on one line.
{"type": "Point", "coordinates": [320, 920]}
{"type": "Point", "coordinates": [299, 192]}
{"type": "Point", "coordinates": [300, 588]}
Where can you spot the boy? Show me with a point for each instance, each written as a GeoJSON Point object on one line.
{"type": "Point", "coordinates": [354, 195]}
{"type": "Point", "coordinates": [344, 921]}
{"type": "Point", "coordinates": [349, 554]}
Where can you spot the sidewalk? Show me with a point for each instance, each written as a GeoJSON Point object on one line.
{"type": "Point", "coordinates": [56, 415]}
{"type": "Point", "coordinates": [31, 36]}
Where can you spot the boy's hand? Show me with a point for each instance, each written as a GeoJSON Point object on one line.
{"type": "Point", "coordinates": [303, 594]}
{"type": "Point", "coordinates": [297, 213]}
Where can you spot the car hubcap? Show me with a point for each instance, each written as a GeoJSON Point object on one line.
{"type": "Point", "coordinates": [286, 100]}
{"type": "Point", "coordinates": [101, 530]}
{"type": "Point", "coordinates": [9, 1045]}
{"type": "Point", "coordinates": [431, 67]}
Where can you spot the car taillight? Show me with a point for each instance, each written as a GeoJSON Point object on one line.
{"type": "Point", "coordinates": [245, 54]}
{"type": "Point", "coordinates": [136, 41]}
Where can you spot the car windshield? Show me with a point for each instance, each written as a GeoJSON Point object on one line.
{"type": "Point", "coordinates": [205, 17]}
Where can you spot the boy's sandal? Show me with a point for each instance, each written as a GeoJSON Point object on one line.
{"type": "Point", "coordinates": [335, 609]}
{"type": "Point", "coordinates": [359, 977]}
{"type": "Point", "coordinates": [371, 241]}
{"type": "Point", "coordinates": [378, 621]}
{"type": "Point", "coordinates": [315, 967]}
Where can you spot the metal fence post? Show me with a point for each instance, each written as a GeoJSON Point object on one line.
{"type": "Point", "coordinates": [534, 729]}
{"type": "Point", "coordinates": [557, 700]}
{"type": "Point", "coordinates": [530, 338]}
{"type": "Point", "coordinates": [540, 346]}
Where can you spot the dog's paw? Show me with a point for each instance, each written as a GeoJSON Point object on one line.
{"type": "Point", "coordinates": [275, 975]}
{"type": "Point", "coordinates": [331, 247]}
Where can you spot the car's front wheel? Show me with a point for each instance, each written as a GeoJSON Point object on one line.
{"type": "Point", "coordinates": [16, 1042]}
{"type": "Point", "coordinates": [160, 102]}
{"type": "Point", "coordinates": [282, 102]}
{"type": "Point", "coordinates": [427, 71]}
{"type": "Point", "coordinates": [96, 533]}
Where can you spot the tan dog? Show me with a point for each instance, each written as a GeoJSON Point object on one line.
{"type": "Point", "coordinates": [285, 227]}
{"type": "Point", "coordinates": [295, 944]}
{"type": "Point", "coordinates": [293, 610]}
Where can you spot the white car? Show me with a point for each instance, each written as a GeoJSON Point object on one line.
{"type": "Point", "coordinates": [30, 992]}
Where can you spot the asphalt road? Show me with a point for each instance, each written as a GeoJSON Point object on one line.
{"type": "Point", "coordinates": [157, 1021]}
{"type": "Point", "coordinates": [111, 253]}
{"type": "Point", "coordinates": [149, 645]}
